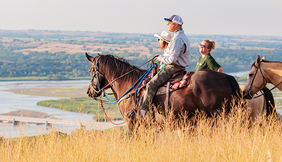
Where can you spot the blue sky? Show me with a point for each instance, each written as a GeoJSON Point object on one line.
{"type": "Point", "coordinates": [223, 17]}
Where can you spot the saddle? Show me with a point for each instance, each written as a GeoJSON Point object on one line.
{"type": "Point", "coordinates": [178, 80]}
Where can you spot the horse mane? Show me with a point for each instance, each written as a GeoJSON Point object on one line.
{"type": "Point", "coordinates": [266, 61]}
{"type": "Point", "coordinates": [117, 66]}
{"type": "Point", "coordinates": [270, 104]}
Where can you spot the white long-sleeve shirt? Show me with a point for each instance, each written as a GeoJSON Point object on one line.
{"type": "Point", "coordinates": [178, 50]}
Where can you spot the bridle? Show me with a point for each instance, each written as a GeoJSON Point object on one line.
{"type": "Point", "coordinates": [107, 85]}
{"type": "Point", "coordinates": [96, 74]}
{"type": "Point", "coordinates": [264, 80]}
{"type": "Point", "coordinates": [258, 68]}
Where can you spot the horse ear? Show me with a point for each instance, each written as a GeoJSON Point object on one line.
{"type": "Point", "coordinates": [263, 58]}
{"type": "Point", "coordinates": [258, 60]}
{"type": "Point", "coordinates": [90, 58]}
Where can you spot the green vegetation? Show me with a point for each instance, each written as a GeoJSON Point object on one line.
{"type": "Point", "coordinates": [58, 55]}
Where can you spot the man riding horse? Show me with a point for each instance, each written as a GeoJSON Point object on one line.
{"type": "Point", "coordinates": [176, 57]}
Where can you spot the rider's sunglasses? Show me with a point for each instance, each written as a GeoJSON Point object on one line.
{"type": "Point", "coordinates": [201, 45]}
{"type": "Point", "coordinates": [159, 39]}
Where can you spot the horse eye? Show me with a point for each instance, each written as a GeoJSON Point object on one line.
{"type": "Point", "coordinates": [251, 75]}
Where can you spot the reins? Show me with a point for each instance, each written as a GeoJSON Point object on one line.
{"type": "Point", "coordinates": [121, 75]}
{"type": "Point", "coordinates": [109, 84]}
{"type": "Point", "coordinates": [108, 117]}
{"type": "Point", "coordinates": [269, 90]}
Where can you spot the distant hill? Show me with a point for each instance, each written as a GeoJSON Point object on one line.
{"type": "Point", "coordinates": [60, 54]}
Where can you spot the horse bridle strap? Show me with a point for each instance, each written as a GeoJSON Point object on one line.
{"type": "Point", "coordinates": [96, 73]}
{"type": "Point", "coordinates": [257, 68]}
{"type": "Point", "coordinates": [264, 79]}
{"type": "Point", "coordinates": [109, 83]}
{"type": "Point", "coordinates": [269, 90]}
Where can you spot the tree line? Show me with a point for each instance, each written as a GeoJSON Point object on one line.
{"type": "Point", "coordinates": [65, 66]}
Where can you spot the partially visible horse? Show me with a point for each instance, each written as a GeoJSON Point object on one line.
{"type": "Point", "coordinates": [207, 91]}
{"type": "Point", "coordinates": [263, 72]}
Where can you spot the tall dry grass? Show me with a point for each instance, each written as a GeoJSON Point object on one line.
{"type": "Point", "coordinates": [219, 139]}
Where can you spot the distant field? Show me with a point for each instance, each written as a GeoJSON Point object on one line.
{"type": "Point", "coordinates": [56, 45]}
{"type": "Point", "coordinates": [59, 55]}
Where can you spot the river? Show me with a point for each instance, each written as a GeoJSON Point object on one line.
{"type": "Point", "coordinates": [12, 102]}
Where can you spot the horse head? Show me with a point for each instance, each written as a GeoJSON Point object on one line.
{"type": "Point", "coordinates": [98, 79]}
{"type": "Point", "coordinates": [256, 80]}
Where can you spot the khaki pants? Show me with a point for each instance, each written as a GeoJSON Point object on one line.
{"type": "Point", "coordinates": [153, 85]}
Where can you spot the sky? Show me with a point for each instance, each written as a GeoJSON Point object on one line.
{"type": "Point", "coordinates": [208, 17]}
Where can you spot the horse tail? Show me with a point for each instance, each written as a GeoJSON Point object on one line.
{"type": "Point", "coordinates": [235, 86]}
{"type": "Point", "coordinates": [269, 101]}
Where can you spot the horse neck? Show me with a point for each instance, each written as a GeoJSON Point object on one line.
{"type": "Point", "coordinates": [272, 72]}
{"type": "Point", "coordinates": [122, 85]}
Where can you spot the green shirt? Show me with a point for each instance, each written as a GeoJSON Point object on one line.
{"type": "Point", "coordinates": [208, 62]}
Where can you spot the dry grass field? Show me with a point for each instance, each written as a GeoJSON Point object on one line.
{"type": "Point", "coordinates": [221, 139]}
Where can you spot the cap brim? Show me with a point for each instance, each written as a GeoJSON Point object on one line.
{"type": "Point", "coordinates": [167, 19]}
{"type": "Point", "coordinates": [156, 35]}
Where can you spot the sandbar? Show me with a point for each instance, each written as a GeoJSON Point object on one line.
{"type": "Point", "coordinates": [28, 113]}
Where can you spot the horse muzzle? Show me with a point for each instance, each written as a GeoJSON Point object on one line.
{"type": "Point", "coordinates": [247, 94]}
{"type": "Point", "coordinates": [92, 93]}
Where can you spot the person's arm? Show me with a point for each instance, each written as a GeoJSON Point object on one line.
{"type": "Point", "coordinates": [220, 70]}
{"type": "Point", "coordinates": [213, 65]}
{"type": "Point", "coordinates": [172, 52]}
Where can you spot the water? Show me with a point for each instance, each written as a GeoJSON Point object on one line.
{"type": "Point", "coordinates": [239, 74]}
{"type": "Point", "coordinates": [12, 102]}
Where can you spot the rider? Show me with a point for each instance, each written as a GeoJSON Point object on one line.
{"type": "Point", "coordinates": [206, 61]}
{"type": "Point", "coordinates": [176, 57]}
{"type": "Point", "coordinates": [164, 40]}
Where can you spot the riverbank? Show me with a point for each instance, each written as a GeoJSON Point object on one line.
{"type": "Point", "coordinates": [28, 113]}
{"type": "Point", "coordinates": [51, 92]}
{"type": "Point", "coordinates": [38, 78]}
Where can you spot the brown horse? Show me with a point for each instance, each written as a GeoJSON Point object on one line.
{"type": "Point", "coordinates": [263, 72]}
{"type": "Point", "coordinates": [207, 91]}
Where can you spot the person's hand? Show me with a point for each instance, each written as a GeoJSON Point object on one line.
{"type": "Point", "coordinates": [155, 56]}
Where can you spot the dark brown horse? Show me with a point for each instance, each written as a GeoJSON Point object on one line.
{"type": "Point", "coordinates": [207, 91]}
